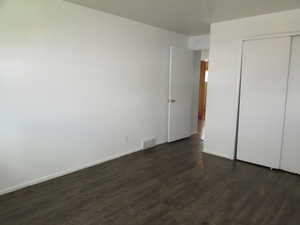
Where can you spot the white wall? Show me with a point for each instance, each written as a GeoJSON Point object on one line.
{"type": "Point", "coordinates": [225, 45]}
{"type": "Point", "coordinates": [199, 42]}
{"type": "Point", "coordinates": [77, 87]}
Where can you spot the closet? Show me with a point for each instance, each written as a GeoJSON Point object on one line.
{"type": "Point", "coordinates": [269, 106]}
{"type": "Point", "coordinates": [290, 159]}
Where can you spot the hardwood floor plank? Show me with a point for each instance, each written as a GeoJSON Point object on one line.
{"type": "Point", "coordinates": [172, 184]}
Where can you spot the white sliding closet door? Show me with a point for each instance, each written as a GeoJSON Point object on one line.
{"type": "Point", "coordinates": [291, 147]}
{"type": "Point", "coordinates": [262, 104]}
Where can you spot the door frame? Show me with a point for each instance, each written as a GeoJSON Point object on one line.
{"type": "Point", "coordinates": [239, 76]}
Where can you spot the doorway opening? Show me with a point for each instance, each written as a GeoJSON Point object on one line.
{"type": "Point", "coordinates": [203, 82]}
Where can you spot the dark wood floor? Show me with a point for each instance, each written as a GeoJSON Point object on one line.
{"type": "Point", "coordinates": [173, 184]}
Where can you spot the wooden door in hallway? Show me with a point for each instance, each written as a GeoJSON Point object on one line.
{"type": "Point", "coordinates": [202, 90]}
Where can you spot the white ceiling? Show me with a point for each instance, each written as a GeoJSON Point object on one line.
{"type": "Point", "coordinates": [192, 17]}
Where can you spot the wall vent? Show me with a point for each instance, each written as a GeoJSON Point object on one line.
{"type": "Point", "coordinates": [148, 143]}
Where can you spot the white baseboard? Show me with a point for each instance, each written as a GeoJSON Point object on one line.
{"type": "Point", "coordinates": [205, 150]}
{"type": "Point", "coordinates": [62, 173]}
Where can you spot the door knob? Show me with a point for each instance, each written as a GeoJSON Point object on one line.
{"type": "Point", "coordinates": [172, 100]}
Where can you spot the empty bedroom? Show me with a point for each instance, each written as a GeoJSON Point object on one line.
{"type": "Point", "coordinates": [139, 112]}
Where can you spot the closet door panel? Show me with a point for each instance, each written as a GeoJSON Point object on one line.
{"type": "Point", "coordinates": [291, 145]}
{"type": "Point", "coordinates": [262, 103]}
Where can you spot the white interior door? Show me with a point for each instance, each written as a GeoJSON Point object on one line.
{"type": "Point", "coordinates": [291, 146]}
{"type": "Point", "coordinates": [262, 103]}
{"type": "Point", "coordinates": [180, 94]}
